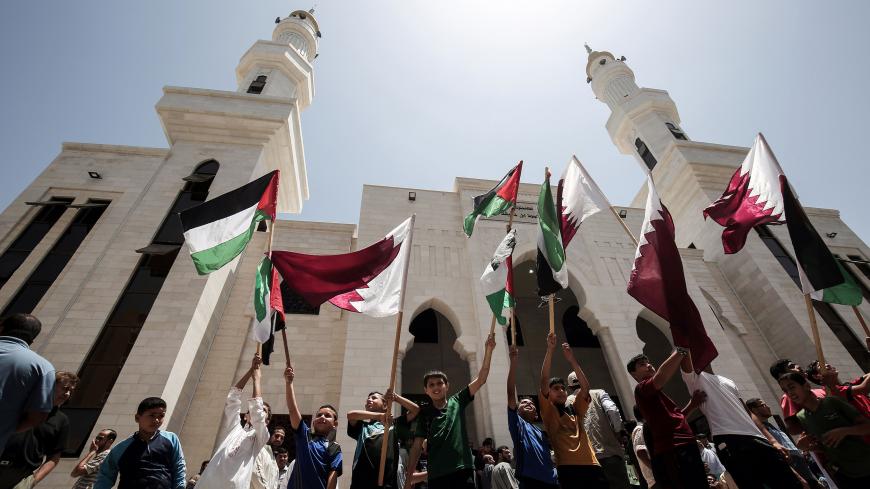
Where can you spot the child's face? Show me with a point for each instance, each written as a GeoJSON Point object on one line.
{"type": "Point", "coordinates": [375, 403]}
{"type": "Point", "coordinates": [797, 393]}
{"type": "Point", "coordinates": [324, 421]}
{"type": "Point", "coordinates": [558, 394]}
{"type": "Point", "coordinates": [436, 388]}
{"type": "Point", "coordinates": [526, 408]}
{"type": "Point", "coordinates": [151, 420]}
{"type": "Point", "coordinates": [281, 460]}
{"type": "Point", "coordinates": [643, 370]}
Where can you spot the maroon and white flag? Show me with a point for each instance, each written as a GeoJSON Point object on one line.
{"type": "Point", "coordinates": [657, 281]}
{"type": "Point", "coordinates": [753, 197]}
{"type": "Point", "coordinates": [369, 281]}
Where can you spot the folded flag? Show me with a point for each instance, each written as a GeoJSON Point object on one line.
{"type": "Point", "coordinates": [499, 199]}
{"type": "Point", "coordinates": [578, 198]}
{"type": "Point", "coordinates": [657, 281]}
{"type": "Point", "coordinates": [497, 280]}
{"type": "Point", "coordinates": [267, 300]}
{"type": "Point", "coordinates": [552, 270]}
{"type": "Point", "coordinates": [369, 281]}
{"type": "Point", "coordinates": [218, 230]}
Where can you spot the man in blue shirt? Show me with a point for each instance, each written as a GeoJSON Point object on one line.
{"type": "Point", "coordinates": [27, 383]}
{"type": "Point", "coordinates": [535, 469]}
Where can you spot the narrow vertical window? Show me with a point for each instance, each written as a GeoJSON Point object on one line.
{"type": "Point", "coordinates": [258, 85]}
{"type": "Point", "coordinates": [24, 244]}
{"type": "Point", "coordinates": [676, 132]}
{"type": "Point", "coordinates": [104, 362]}
{"type": "Point", "coordinates": [645, 154]}
{"type": "Point", "coordinates": [39, 281]}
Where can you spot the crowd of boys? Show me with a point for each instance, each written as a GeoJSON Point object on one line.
{"type": "Point", "coordinates": [584, 442]}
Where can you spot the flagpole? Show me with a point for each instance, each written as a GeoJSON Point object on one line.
{"type": "Point", "coordinates": [861, 320]}
{"type": "Point", "coordinates": [815, 327]}
{"type": "Point", "coordinates": [624, 226]}
{"type": "Point", "coordinates": [388, 417]}
{"type": "Point", "coordinates": [513, 324]}
{"type": "Point", "coordinates": [551, 300]}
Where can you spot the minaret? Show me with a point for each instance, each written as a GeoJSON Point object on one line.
{"type": "Point", "coordinates": [282, 67]}
{"type": "Point", "coordinates": [644, 122]}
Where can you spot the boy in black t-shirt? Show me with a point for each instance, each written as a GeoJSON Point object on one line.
{"type": "Point", "coordinates": [367, 428]}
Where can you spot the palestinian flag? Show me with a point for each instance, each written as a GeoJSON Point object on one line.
{"type": "Point", "coordinates": [218, 230]}
{"type": "Point", "coordinates": [267, 300]}
{"type": "Point", "coordinates": [499, 199]}
{"type": "Point", "coordinates": [820, 274]}
{"type": "Point", "coordinates": [657, 281]}
{"type": "Point", "coordinates": [497, 280]}
{"type": "Point", "coordinates": [552, 270]}
{"type": "Point", "coordinates": [369, 281]}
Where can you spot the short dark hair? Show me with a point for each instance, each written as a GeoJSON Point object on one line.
{"type": "Point", "coordinates": [779, 367]}
{"type": "Point", "coordinates": [376, 392]}
{"type": "Point", "coordinates": [112, 433]}
{"type": "Point", "coordinates": [150, 403]}
{"type": "Point", "coordinates": [434, 374]}
{"type": "Point", "coordinates": [632, 363]}
{"type": "Point", "coordinates": [488, 441]}
{"type": "Point", "coordinates": [753, 403]}
{"type": "Point", "coordinates": [556, 381]}
{"type": "Point", "coordinates": [331, 408]}
{"type": "Point", "coordinates": [279, 450]}
{"type": "Point", "coordinates": [814, 373]}
{"type": "Point", "coordinates": [501, 447]}
{"type": "Point", "coordinates": [280, 427]}
{"type": "Point", "coordinates": [637, 415]}
{"type": "Point", "coordinates": [794, 377]}
{"type": "Point", "coordinates": [25, 327]}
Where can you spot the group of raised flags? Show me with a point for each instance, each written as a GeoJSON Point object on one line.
{"type": "Point", "coordinates": [372, 280]}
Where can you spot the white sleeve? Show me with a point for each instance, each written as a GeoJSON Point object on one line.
{"type": "Point", "coordinates": [232, 410]}
{"type": "Point", "coordinates": [691, 380]}
{"type": "Point", "coordinates": [258, 421]}
{"type": "Point", "coordinates": [612, 412]}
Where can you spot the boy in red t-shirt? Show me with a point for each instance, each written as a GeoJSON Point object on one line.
{"type": "Point", "coordinates": [855, 392]}
{"type": "Point", "coordinates": [676, 461]}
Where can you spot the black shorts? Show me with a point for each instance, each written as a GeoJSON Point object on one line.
{"type": "Point", "coordinates": [581, 476]}
{"type": "Point", "coordinates": [463, 479]}
{"type": "Point", "coordinates": [529, 483]}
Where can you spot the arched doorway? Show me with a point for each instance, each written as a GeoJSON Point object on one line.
{"type": "Point", "coordinates": [658, 347]}
{"type": "Point", "coordinates": [432, 349]}
{"type": "Point", "coordinates": [534, 324]}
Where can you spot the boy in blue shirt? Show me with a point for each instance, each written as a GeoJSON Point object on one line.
{"type": "Point", "coordinates": [150, 459]}
{"type": "Point", "coordinates": [535, 469]}
{"type": "Point", "coordinates": [318, 460]}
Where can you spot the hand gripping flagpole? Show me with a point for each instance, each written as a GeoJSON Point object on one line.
{"type": "Point", "coordinates": [388, 417]}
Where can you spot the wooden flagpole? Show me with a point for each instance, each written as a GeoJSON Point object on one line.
{"type": "Point", "coordinates": [388, 418]}
{"type": "Point", "coordinates": [815, 327]}
{"type": "Point", "coordinates": [861, 320]}
{"type": "Point", "coordinates": [513, 324]}
{"type": "Point", "coordinates": [624, 226]}
{"type": "Point", "coordinates": [272, 227]}
{"type": "Point", "coordinates": [551, 300]}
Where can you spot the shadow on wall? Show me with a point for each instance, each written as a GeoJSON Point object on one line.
{"type": "Point", "coordinates": [658, 347]}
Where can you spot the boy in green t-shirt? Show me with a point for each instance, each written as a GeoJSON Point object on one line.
{"type": "Point", "coordinates": [836, 429]}
{"type": "Point", "coordinates": [442, 423]}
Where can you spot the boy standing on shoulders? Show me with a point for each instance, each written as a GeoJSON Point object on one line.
{"type": "Point", "coordinates": [233, 462]}
{"type": "Point", "coordinates": [450, 464]}
{"type": "Point", "coordinates": [576, 464]}
{"type": "Point", "coordinates": [318, 460]}
{"type": "Point", "coordinates": [534, 468]}
{"type": "Point", "coordinates": [150, 459]}
{"type": "Point", "coordinates": [367, 428]}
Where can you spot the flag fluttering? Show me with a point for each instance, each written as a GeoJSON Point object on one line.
{"type": "Point", "coordinates": [552, 270]}
{"type": "Point", "coordinates": [218, 230]}
{"type": "Point", "coordinates": [657, 281]}
{"type": "Point", "coordinates": [267, 300]}
{"type": "Point", "coordinates": [368, 281]}
{"type": "Point", "coordinates": [753, 197]}
{"type": "Point", "coordinates": [497, 279]}
{"type": "Point", "coordinates": [578, 198]}
{"type": "Point", "coordinates": [499, 199]}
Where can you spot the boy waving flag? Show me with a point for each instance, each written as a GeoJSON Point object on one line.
{"type": "Point", "coordinates": [499, 199]}
{"type": "Point", "coordinates": [497, 280]}
{"type": "Point", "coordinates": [218, 230]}
{"type": "Point", "coordinates": [657, 281]}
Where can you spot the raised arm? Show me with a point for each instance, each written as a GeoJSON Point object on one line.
{"type": "Point", "coordinates": [581, 377]}
{"type": "Point", "coordinates": [257, 374]}
{"type": "Point", "coordinates": [478, 382]}
{"type": "Point", "coordinates": [863, 387]}
{"type": "Point", "coordinates": [512, 379]}
{"type": "Point", "coordinates": [81, 468]}
{"type": "Point", "coordinates": [292, 408]}
{"type": "Point", "coordinates": [545, 367]}
{"type": "Point", "coordinates": [411, 406]}
{"type": "Point", "coordinates": [413, 458]}
{"type": "Point", "coordinates": [359, 415]}
{"type": "Point", "coordinates": [669, 367]}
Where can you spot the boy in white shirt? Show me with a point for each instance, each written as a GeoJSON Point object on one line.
{"type": "Point", "coordinates": [233, 463]}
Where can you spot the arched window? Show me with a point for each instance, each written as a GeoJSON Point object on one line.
{"type": "Point", "coordinates": [645, 154]}
{"type": "Point", "coordinates": [108, 354]}
{"type": "Point", "coordinates": [258, 85]}
{"type": "Point", "coordinates": [676, 131]}
{"type": "Point", "coordinates": [577, 332]}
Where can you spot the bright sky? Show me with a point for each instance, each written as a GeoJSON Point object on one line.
{"type": "Point", "coordinates": [414, 93]}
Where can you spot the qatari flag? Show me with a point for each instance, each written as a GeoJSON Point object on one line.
{"type": "Point", "coordinates": [369, 281]}
{"type": "Point", "coordinates": [657, 281]}
{"type": "Point", "coordinates": [753, 197]}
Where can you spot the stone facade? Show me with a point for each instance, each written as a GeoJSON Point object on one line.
{"type": "Point", "coordinates": [194, 343]}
